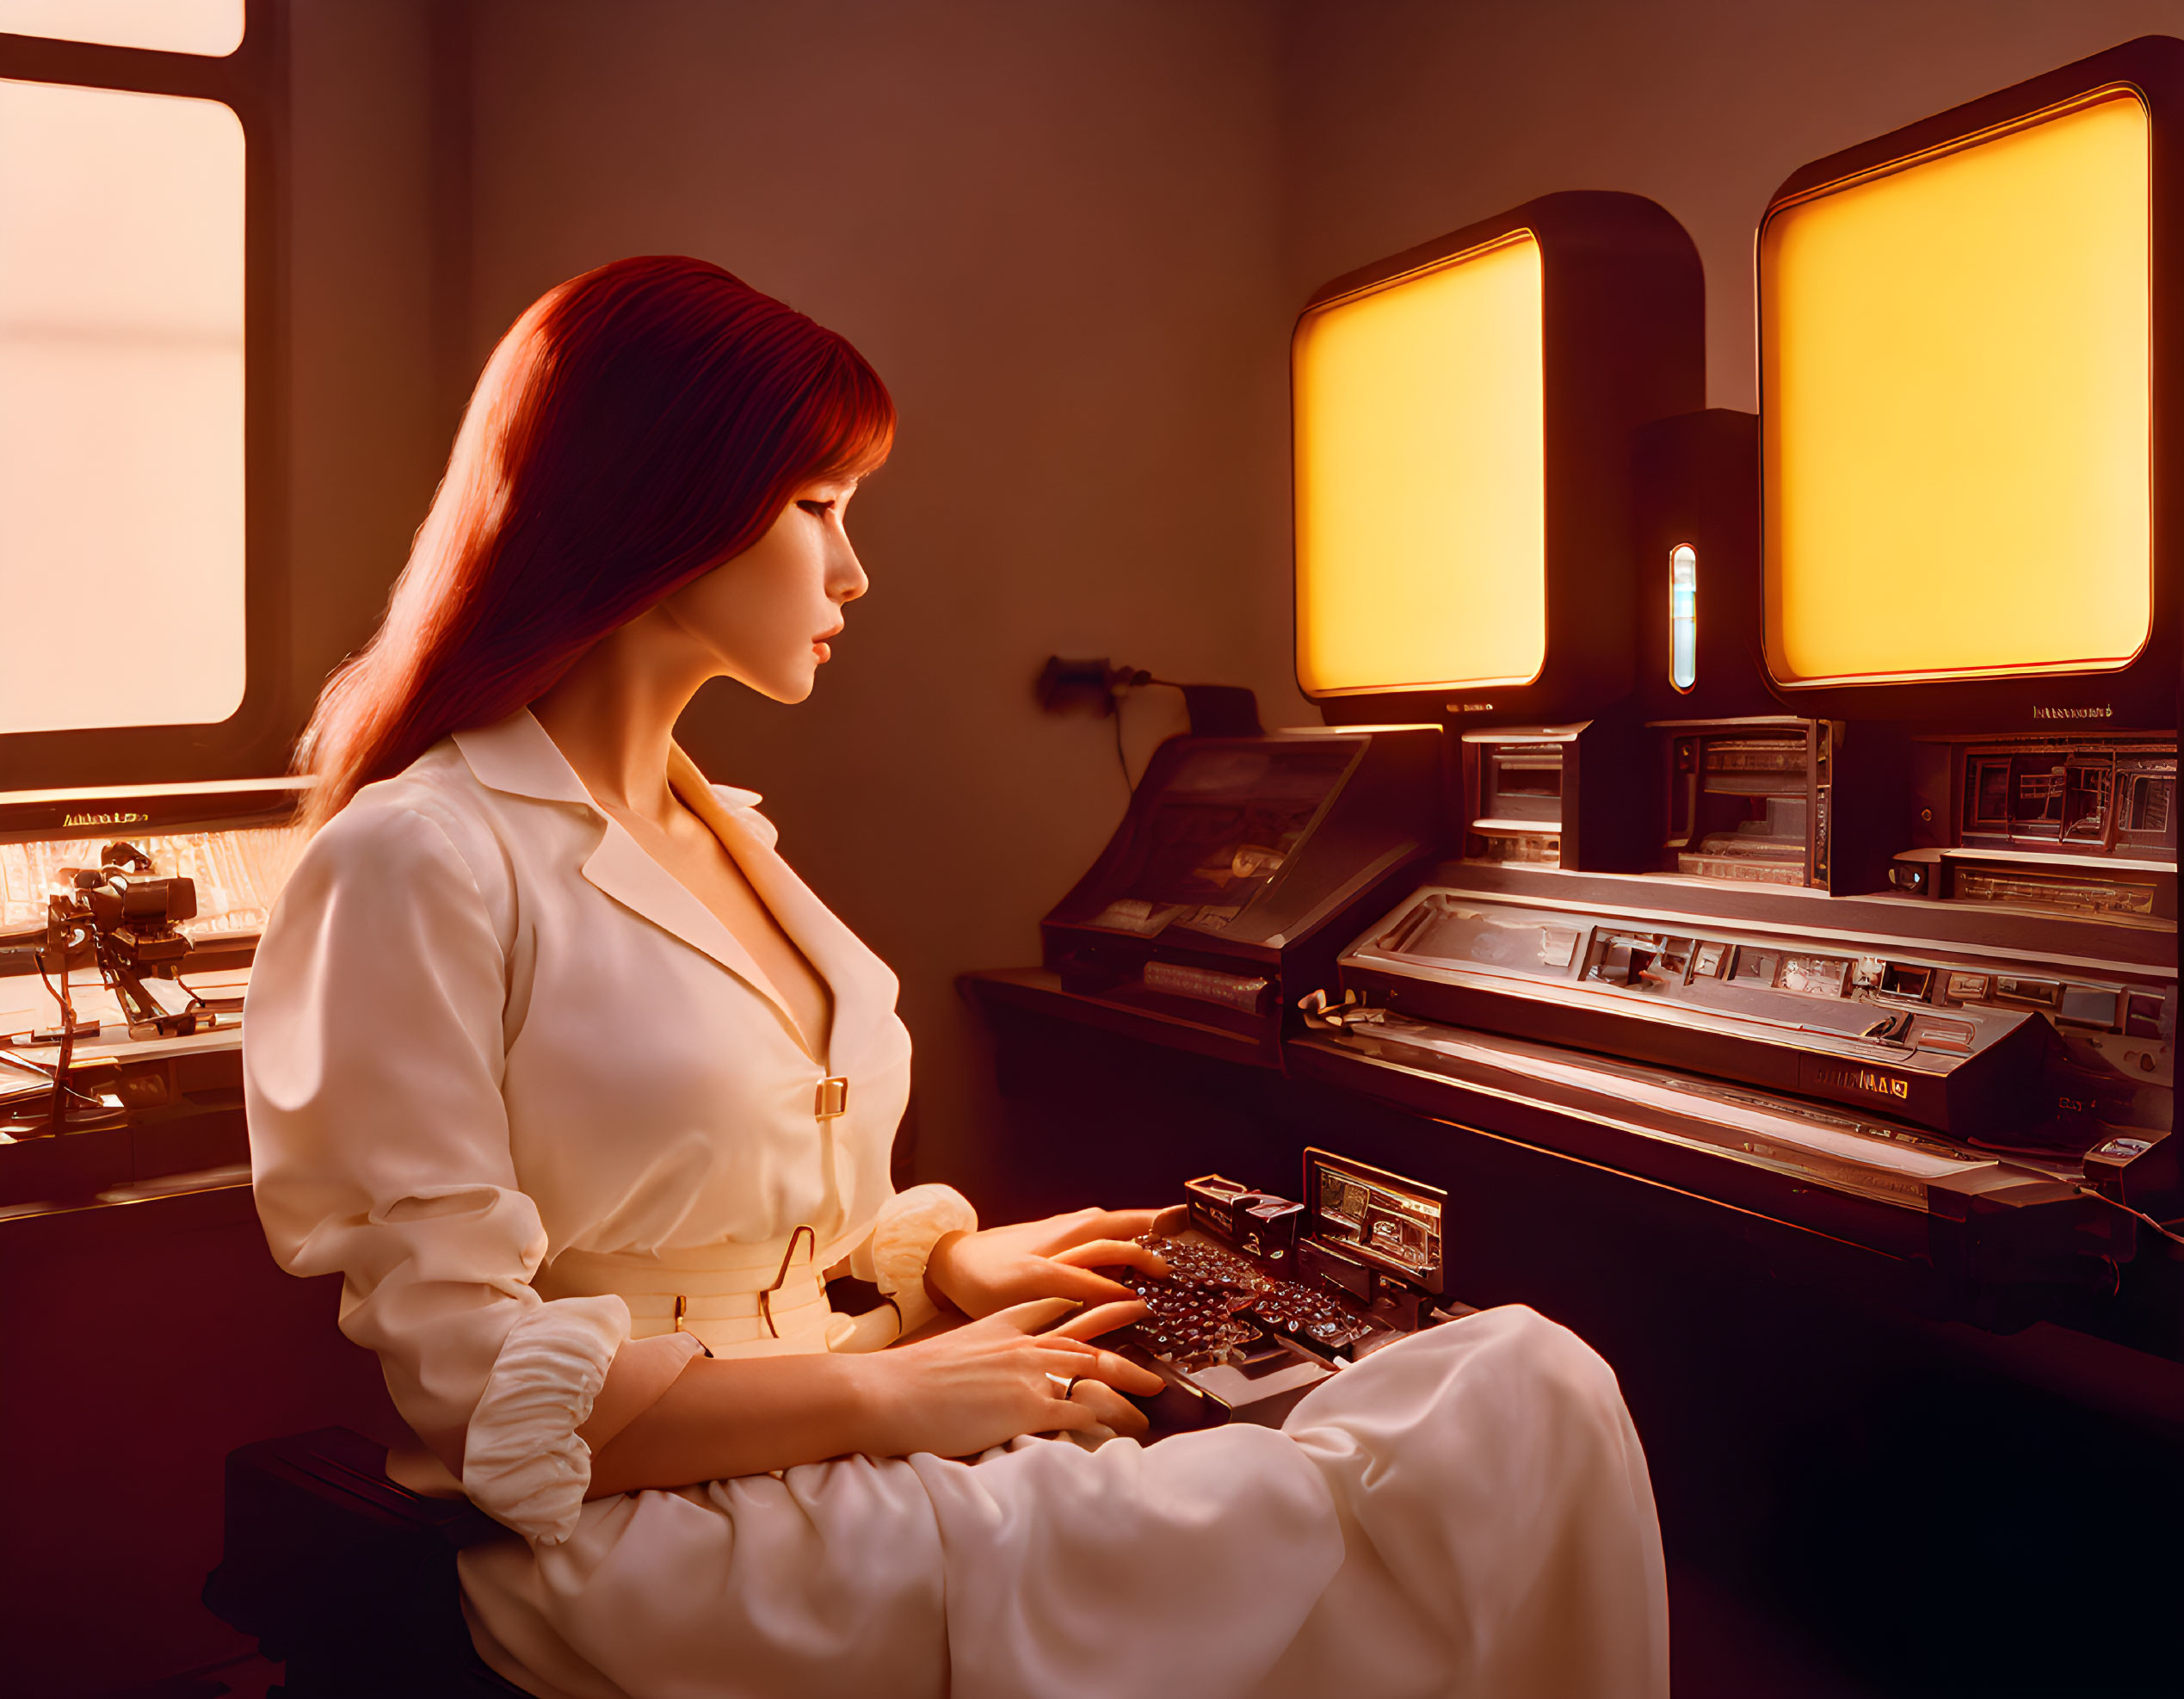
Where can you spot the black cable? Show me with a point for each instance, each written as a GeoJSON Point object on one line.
{"type": "Point", "coordinates": [1121, 760]}
{"type": "Point", "coordinates": [1127, 682]}
{"type": "Point", "coordinates": [2063, 1176]}
{"type": "Point", "coordinates": [57, 1110]}
{"type": "Point", "coordinates": [2173, 1238]}
{"type": "Point", "coordinates": [42, 1073]}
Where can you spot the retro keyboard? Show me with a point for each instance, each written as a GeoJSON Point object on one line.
{"type": "Point", "coordinates": [1264, 1298]}
{"type": "Point", "coordinates": [1215, 1307]}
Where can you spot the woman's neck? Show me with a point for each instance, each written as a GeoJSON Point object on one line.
{"type": "Point", "coordinates": [612, 714]}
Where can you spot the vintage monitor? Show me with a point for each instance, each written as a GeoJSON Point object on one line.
{"type": "Point", "coordinates": [1242, 866]}
{"type": "Point", "coordinates": [1971, 335]}
{"type": "Point", "coordinates": [1463, 414]}
{"type": "Point", "coordinates": [1927, 1001]}
{"type": "Point", "coordinates": [1963, 327]}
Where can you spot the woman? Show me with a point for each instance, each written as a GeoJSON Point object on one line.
{"type": "Point", "coordinates": [585, 1094]}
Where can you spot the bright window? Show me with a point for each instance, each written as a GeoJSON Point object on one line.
{"type": "Point", "coordinates": [212, 26]}
{"type": "Point", "coordinates": [122, 403]}
{"type": "Point", "coordinates": [1421, 479]}
{"type": "Point", "coordinates": [1954, 367]}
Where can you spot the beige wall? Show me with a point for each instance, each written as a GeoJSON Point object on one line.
{"type": "Point", "coordinates": [363, 448]}
{"type": "Point", "coordinates": [1052, 228]}
{"type": "Point", "coordinates": [1403, 119]}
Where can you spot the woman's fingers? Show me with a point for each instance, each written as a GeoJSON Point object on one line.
{"type": "Point", "coordinates": [1065, 1231]}
{"type": "Point", "coordinates": [1078, 1360]}
{"type": "Point", "coordinates": [1092, 1323]}
{"type": "Point", "coordinates": [1128, 1223]}
{"type": "Point", "coordinates": [1171, 1221]}
{"type": "Point", "coordinates": [1130, 1377]}
{"type": "Point", "coordinates": [1110, 1253]}
{"type": "Point", "coordinates": [1073, 1360]}
{"type": "Point", "coordinates": [1070, 1280]}
{"type": "Point", "coordinates": [1109, 1407]}
{"type": "Point", "coordinates": [1038, 1315]}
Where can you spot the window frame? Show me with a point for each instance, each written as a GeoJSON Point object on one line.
{"type": "Point", "coordinates": [252, 82]}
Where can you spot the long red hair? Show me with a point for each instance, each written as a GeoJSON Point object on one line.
{"type": "Point", "coordinates": [636, 427]}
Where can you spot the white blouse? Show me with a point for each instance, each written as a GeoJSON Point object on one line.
{"type": "Point", "coordinates": [497, 1076]}
{"type": "Point", "coordinates": [529, 1096]}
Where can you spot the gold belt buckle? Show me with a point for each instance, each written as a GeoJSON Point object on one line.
{"type": "Point", "coordinates": [833, 1098]}
{"type": "Point", "coordinates": [766, 1298]}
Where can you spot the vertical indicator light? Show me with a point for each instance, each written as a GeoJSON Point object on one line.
{"type": "Point", "coordinates": [1683, 616]}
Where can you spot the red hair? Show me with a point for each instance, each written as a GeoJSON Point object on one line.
{"type": "Point", "coordinates": [637, 426]}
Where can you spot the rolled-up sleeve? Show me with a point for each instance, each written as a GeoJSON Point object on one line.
{"type": "Point", "coordinates": [372, 1061]}
{"type": "Point", "coordinates": [894, 1254]}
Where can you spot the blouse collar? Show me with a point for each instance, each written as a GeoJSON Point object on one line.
{"type": "Point", "coordinates": [516, 755]}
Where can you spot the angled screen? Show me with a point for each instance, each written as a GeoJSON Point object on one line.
{"type": "Point", "coordinates": [1420, 485]}
{"type": "Point", "coordinates": [1954, 398]}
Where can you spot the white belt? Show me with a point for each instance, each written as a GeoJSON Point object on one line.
{"type": "Point", "coordinates": [767, 1299]}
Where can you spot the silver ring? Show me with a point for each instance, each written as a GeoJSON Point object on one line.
{"type": "Point", "coordinates": [1064, 1387]}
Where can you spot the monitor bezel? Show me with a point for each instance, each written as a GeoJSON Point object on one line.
{"type": "Point", "coordinates": [2142, 694]}
{"type": "Point", "coordinates": [1623, 342]}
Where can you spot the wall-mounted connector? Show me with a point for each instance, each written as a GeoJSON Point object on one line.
{"type": "Point", "coordinates": [1091, 687]}
{"type": "Point", "coordinates": [1084, 687]}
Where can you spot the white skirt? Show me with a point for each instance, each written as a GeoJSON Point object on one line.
{"type": "Point", "coordinates": [1466, 1512]}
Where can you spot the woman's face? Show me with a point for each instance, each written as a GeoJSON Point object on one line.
{"type": "Point", "coordinates": [766, 616]}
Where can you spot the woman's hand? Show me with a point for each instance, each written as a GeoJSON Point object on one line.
{"type": "Point", "coordinates": [979, 1385]}
{"type": "Point", "coordinates": [984, 1383]}
{"type": "Point", "coordinates": [982, 1272]}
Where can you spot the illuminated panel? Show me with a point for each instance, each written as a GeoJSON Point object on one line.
{"type": "Point", "coordinates": [121, 494]}
{"type": "Point", "coordinates": [209, 26]}
{"type": "Point", "coordinates": [1422, 548]}
{"type": "Point", "coordinates": [1954, 389]}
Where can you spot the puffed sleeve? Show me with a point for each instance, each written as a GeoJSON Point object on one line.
{"type": "Point", "coordinates": [892, 1256]}
{"type": "Point", "coordinates": [911, 1224]}
{"type": "Point", "coordinates": [372, 1056]}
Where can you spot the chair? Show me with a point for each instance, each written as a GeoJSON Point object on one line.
{"type": "Point", "coordinates": [344, 1577]}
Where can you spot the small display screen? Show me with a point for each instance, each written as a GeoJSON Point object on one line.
{"type": "Point", "coordinates": [2089, 1006]}
{"type": "Point", "coordinates": [1224, 826]}
{"type": "Point", "coordinates": [1381, 1218]}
